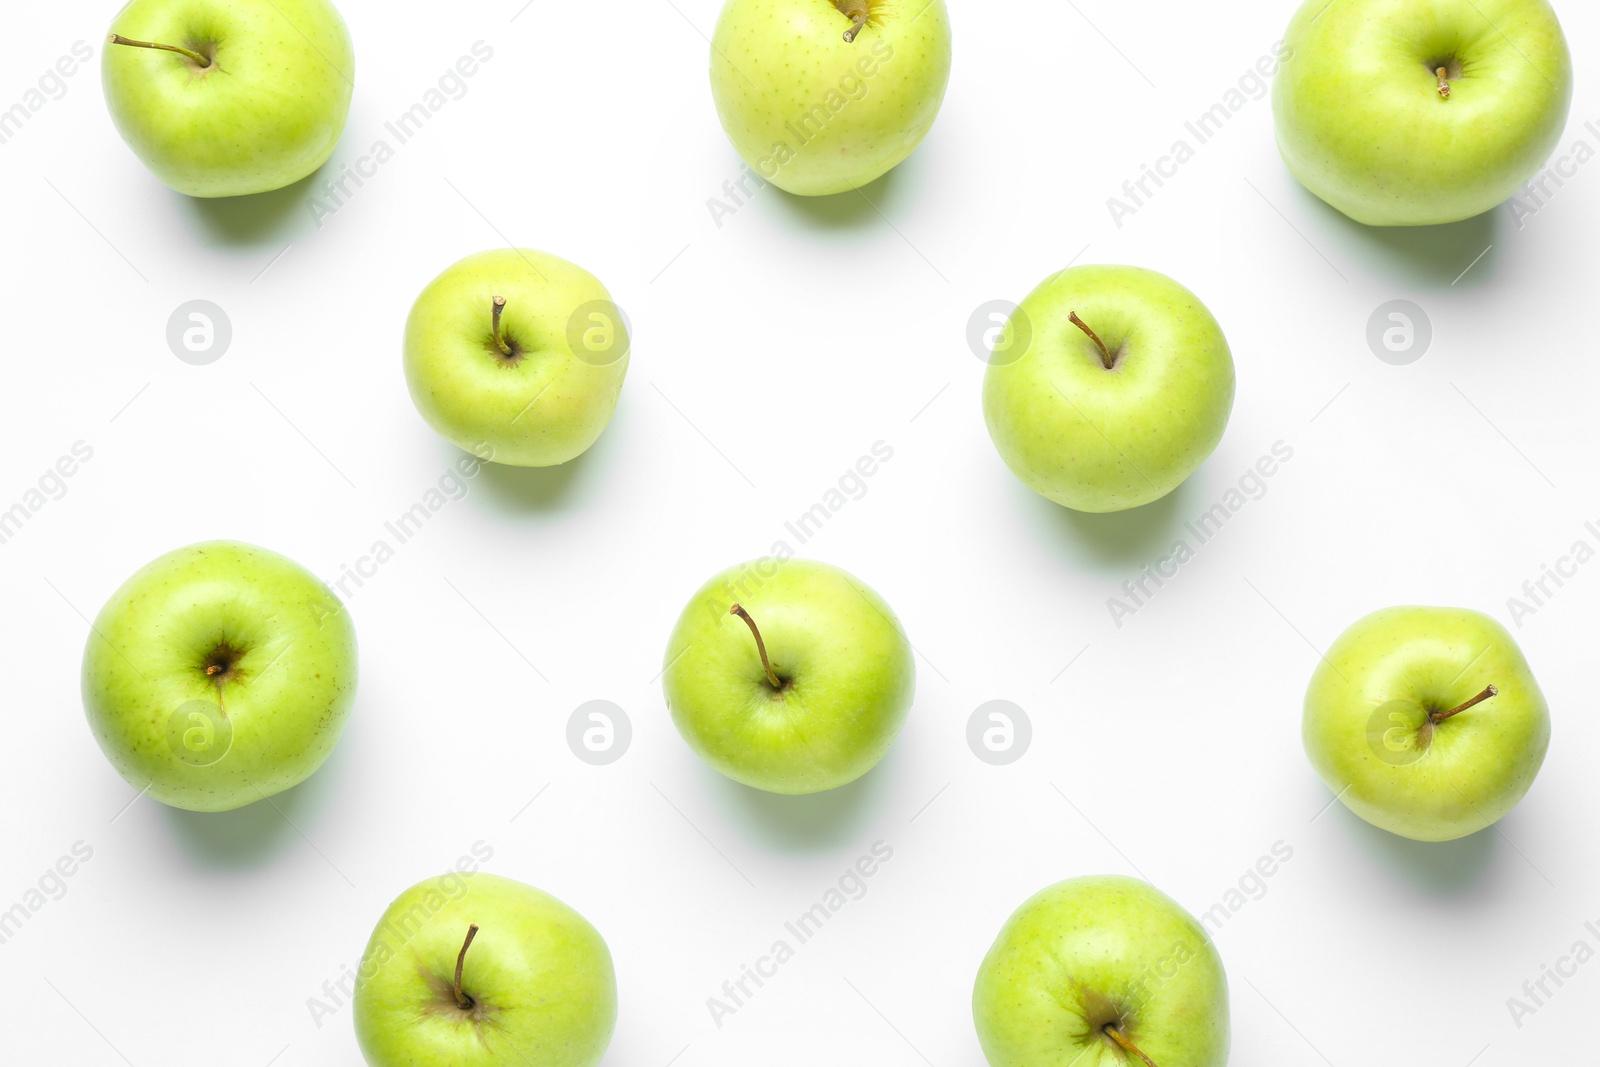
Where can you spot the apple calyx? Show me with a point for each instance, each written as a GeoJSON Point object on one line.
{"type": "Point", "coordinates": [194, 57]}
{"type": "Point", "coordinates": [499, 338]}
{"type": "Point", "coordinates": [1114, 1032]}
{"type": "Point", "coordinates": [1437, 717]}
{"type": "Point", "coordinates": [1105, 353]}
{"type": "Point", "coordinates": [1444, 82]}
{"type": "Point", "coordinates": [463, 1001]}
{"type": "Point", "coordinates": [761, 646]}
{"type": "Point", "coordinates": [857, 11]}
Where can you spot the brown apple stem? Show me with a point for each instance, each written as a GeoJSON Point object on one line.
{"type": "Point", "coordinates": [462, 1000]}
{"type": "Point", "coordinates": [1440, 716]}
{"type": "Point", "coordinates": [1115, 1034]}
{"type": "Point", "coordinates": [1444, 81]}
{"type": "Point", "coordinates": [857, 12]}
{"type": "Point", "coordinates": [195, 57]}
{"type": "Point", "coordinates": [1105, 353]}
{"type": "Point", "coordinates": [499, 340]}
{"type": "Point", "coordinates": [761, 646]}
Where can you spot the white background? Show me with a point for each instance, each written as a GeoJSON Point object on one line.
{"type": "Point", "coordinates": [769, 354]}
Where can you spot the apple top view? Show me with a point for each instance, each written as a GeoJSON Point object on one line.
{"type": "Point", "coordinates": [218, 675]}
{"type": "Point", "coordinates": [228, 100]}
{"type": "Point", "coordinates": [1401, 113]}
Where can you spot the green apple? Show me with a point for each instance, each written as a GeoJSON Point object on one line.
{"type": "Point", "coordinates": [1118, 383]}
{"type": "Point", "coordinates": [516, 356]}
{"type": "Point", "coordinates": [1418, 112]}
{"type": "Point", "coordinates": [475, 970]}
{"type": "Point", "coordinates": [1426, 721]}
{"type": "Point", "coordinates": [789, 675]}
{"type": "Point", "coordinates": [218, 675]}
{"type": "Point", "coordinates": [823, 96]}
{"type": "Point", "coordinates": [1102, 971]}
{"type": "Point", "coordinates": [229, 97]}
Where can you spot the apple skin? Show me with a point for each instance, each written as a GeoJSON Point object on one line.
{"type": "Point", "coordinates": [814, 114]}
{"type": "Point", "coordinates": [1473, 767]}
{"type": "Point", "coordinates": [287, 693]}
{"type": "Point", "coordinates": [1100, 440]}
{"type": "Point", "coordinates": [274, 118]}
{"type": "Point", "coordinates": [1361, 122]}
{"type": "Point", "coordinates": [838, 647]}
{"type": "Point", "coordinates": [540, 977]}
{"type": "Point", "coordinates": [1093, 951]}
{"type": "Point", "coordinates": [546, 406]}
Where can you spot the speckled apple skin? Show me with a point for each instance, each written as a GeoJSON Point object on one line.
{"type": "Point", "coordinates": [545, 408]}
{"type": "Point", "coordinates": [1096, 950]}
{"type": "Point", "coordinates": [1100, 440]}
{"type": "Point", "coordinates": [295, 684]}
{"type": "Point", "coordinates": [267, 112]}
{"type": "Point", "coordinates": [870, 102]}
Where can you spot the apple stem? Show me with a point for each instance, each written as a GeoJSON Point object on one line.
{"type": "Point", "coordinates": [499, 341]}
{"type": "Point", "coordinates": [857, 12]}
{"type": "Point", "coordinates": [1114, 1033]}
{"type": "Point", "coordinates": [1440, 716]}
{"type": "Point", "coordinates": [195, 57]}
{"type": "Point", "coordinates": [1105, 353]}
{"type": "Point", "coordinates": [761, 646]}
{"type": "Point", "coordinates": [462, 1000]}
{"type": "Point", "coordinates": [1444, 81]}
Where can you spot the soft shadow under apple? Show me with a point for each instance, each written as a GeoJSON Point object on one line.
{"type": "Point", "coordinates": [1439, 868]}
{"type": "Point", "coordinates": [1428, 256]}
{"type": "Point", "coordinates": [843, 211]}
{"type": "Point", "coordinates": [1121, 537]}
{"type": "Point", "coordinates": [818, 822]}
{"type": "Point", "coordinates": [265, 219]}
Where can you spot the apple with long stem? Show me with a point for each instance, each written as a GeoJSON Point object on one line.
{"type": "Point", "coordinates": [824, 96]}
{"type": "Point", "coordinates": [476, 970]}
{"type": "Point", "coordinates": [1116, 385]}
{"type": "Point", "coordinates": [229, 97]}
{"type": "Point", "coordinates": [1426, 722]}
{"type": "Point", "coordinates": [1102, 970]}
{"type": "Point", "coordinates": [1401, 113]}
{"type": "Point", "coordinates": [516, 356]}
{"type": "Point", "coordinates": [790, 676]}
{"type": "Point", "coordinates": [218, 675]}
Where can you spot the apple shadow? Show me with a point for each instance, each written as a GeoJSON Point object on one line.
{"type": "Point", "coordinates": [847, 210]}
{"type": "Point", "coordinates": [1452, 255]}
{"type": "Point", "coordinates": [258, 833]}
{"type": "Point", "coordinates": [1121, 537]}
{"type": "Point", "coordinates": [1439, 868]}
{"type": "Point", "coordinates": [247, 221]}
{"type": "Point", "coordinates": [816, 822]}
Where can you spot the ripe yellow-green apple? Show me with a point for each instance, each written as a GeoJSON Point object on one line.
{"type": "Point", "coordinates": [1102, 971]}
{"type": "Point", "coordinates": [1117, 384]}
{"type": "Point", "coordinates": [229, 97]}
{"type": "Point", "coordinates": [516, 356]}
{"type": "Point", "coordinates": [823, 96]}
{"type": "Point", "coordinates": [1418, 112]}
{"type": "Point", "coordinates": [789, 675]}
{"type": "Point", "coordinates": [1426, 721]}
{"type": "Point", "coordinates": [218, 675]}
{"type": "Point", "coordinates": [474, 970]}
